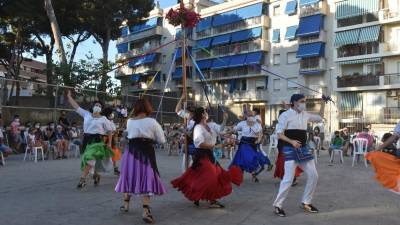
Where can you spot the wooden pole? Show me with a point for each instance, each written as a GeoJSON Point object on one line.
{"type": "Point", "coordinates": [184, 93]}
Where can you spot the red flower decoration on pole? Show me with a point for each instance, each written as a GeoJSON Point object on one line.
{"type": "Point", "coordinates": [183, 16]}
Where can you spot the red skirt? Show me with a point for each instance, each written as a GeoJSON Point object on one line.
{"type": "Point", "coordinates": [209, 181]}
{"type": "Point", "coordinates": [280, 167]}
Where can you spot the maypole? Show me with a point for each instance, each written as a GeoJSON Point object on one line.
{"type": "Point", "coordinates": [186, 18]}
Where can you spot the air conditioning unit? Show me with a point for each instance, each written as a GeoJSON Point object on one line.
{"type": "Point", "coordinates": [392, 93]}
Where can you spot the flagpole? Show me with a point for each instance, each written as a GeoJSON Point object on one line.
{"type": "Point", "coordinates": [184, 93]}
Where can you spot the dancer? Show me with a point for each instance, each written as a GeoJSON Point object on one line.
{"type": "Point", "coordinates": [387, 162]}
{"type": "Point", "coordinates": [97, 156]}
{"type": "Point", "coordinates": [280, 160]}
{"type": "Point", "coordinates": [139, 172]}
{"type": "Point", "coordinates": [248, 157]}
{"type": "Point", "coordinates": [108, 113]}
{"type": "Point", "coordinates": [292, 128]}
{"type": "Point", "coordinates": [206, 179]}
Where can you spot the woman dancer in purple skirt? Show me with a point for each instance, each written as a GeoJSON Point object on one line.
{"type": "Point", "coordinates": [139, 173]}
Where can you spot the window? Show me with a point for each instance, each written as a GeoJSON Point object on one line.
{"type": "Point", "coordinates": [276, 36]}
{"type": "Point", "coordinates": [277, 84]}
{"type": "Point", "coordinates": [291, 58]}
{"type": "Point", "coordinates": [292, 83]}
{"type": "Point", "coordinates": [277, 10]}
{"type": "Point", "coordinates": [277, 59]}
{"type": "Point", "coordinates": [261, 84]}
{"type": "Point", "coordinates": [243, 85]}
{"type": "Point", "coordinates": [375, 69]}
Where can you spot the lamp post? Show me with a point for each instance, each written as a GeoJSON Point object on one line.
{"type": "Point", "coordinates": [330, 103]}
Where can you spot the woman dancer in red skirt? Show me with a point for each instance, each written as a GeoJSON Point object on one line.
{"type": "Point", "coordinates": [206, 179]}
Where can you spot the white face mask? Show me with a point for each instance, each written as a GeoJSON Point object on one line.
{"type": "Point", "coordinates": [301, 107]}
{"type": "Point", "coordinates": [111, 117]}
{"type": "Point", "coordinates": [37, 126]}
{"type": "Point", "coordinates": [96, 109]}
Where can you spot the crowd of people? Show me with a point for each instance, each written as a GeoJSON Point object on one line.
{"type": "Point", "coordinates": [101, 142]}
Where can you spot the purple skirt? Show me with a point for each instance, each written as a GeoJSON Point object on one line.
{"type": "Point", "coordinates": [138, 178]}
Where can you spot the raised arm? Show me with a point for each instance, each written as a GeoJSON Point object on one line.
{"type": "Point", "coordinates": [178, 107]}
{"type": "Point", "coordinates": [72, 101]}
{"type": "Point", "coordinates": [389, 141]}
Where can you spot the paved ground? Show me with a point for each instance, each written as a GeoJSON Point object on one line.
{"type": "Point", "coordinates": [45, 193]}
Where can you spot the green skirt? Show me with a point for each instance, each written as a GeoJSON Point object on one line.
{"type": "Point", "coordinates": [96, 151]}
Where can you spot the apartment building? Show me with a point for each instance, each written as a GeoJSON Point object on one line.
{"type": "Point", "coordinates": [367, 61]}
{"type": "Point", "coordinates": [347, 49]}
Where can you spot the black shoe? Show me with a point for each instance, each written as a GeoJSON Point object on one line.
{"type": "Point", "coordinates": [196, 203]}
{"type": "Point", "coordinates": [309, 208]}
{"type": "Point", "coordinates": [58, 158]}
{"type": "Point", "coordinates": [64, 157]}
{"type": "Point", "coordinates": [116, 171]}
{"type": "Point", "coordinates": [255, 179]}
{"type": "Point", "coordinates": [96, 179]}
{"type": "Point", "coordinates": [82, 183]}
{"type": "Point", "coordinates": [279, 212]}
{"type": "Point", "coordinates": [294, 183]}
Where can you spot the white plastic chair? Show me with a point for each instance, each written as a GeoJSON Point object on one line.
{"type": "Point", "coordinates": [74, 150]}
{"type": "Point", "coordinates": [360, 148]}
{"type": "Point", "coordinates": [34, 151]}
{"type": "Point", "coordinates": [317, 141]}
{"type": "Point", "coordinates": [273, 144]}
{"type": "Point", "coordinates": [338, 150]}
{"type": "Point", "coordinates": [3, 161]}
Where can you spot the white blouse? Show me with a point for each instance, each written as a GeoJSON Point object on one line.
{"type": "Point", "coordinates": [247, 131]}
{"type": "Point", "coordinates": [292, 120]}
{"type": "Point", "coordinates": [202, 135]}
{"type": "Point", "coordinates": [145, 128]}
{"type": "Point", "coordinates": [94, 125]}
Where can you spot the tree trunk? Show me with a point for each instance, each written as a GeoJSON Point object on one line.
{"type": "Point", "coordinates": [49, 76]}
{"type": "Point", "coordinates": [104, 76]}
{"type": "Point", "coordinates": [56, 30]}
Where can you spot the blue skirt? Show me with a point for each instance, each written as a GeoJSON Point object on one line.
{"type": "Point", "coordinates": [249, 160]}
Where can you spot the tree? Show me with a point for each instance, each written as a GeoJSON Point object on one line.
{"type": "Point", "coordinates": [104, 18]}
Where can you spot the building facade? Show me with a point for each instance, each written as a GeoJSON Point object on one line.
{"type": "Point", "coordinates": [347, 49]}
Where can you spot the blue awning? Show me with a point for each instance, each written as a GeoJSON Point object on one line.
{"type": "Point", "coordinates": [254, 58]}
{"type": "Point", "coordinates": [135, 77]}
{"type": "Point", "coordinates": [291, 7]}
{"type": "Point", "coordinates": [250, 11]}
{"type": "Point", "coordinates": [142, 60]}
{"type": "Point", "coordinates": [311, 50]}
{"type": "Point", "coordinates": [221, 63]}
{"type": "Point", "coordinates": [124, 31]}
{"type": "Point", "coordinates": [291, 33]}
{"type": "Point", "coordinates": [177, 74]}
{"type": "Point", "coordinates": [204, 64]}
{"type": "Point", "coordinates": [310, 25]}
{"type": "Point", "coordinates": [352, 8]}
{"type": "Point", "coordinates": [308, 2]}
{"type": "Point", "coordinates": [221, 40]}
{"type": "Point", "coordinates": [204, 23]}
{"type": "Point", "coordinates": [276, 36]}
{"type": "Point", "coordinates": [310, 72]}
{"type": "Point", "coordinates": [150, 23]}
{"type": "Point", "coordinates": [122, 48]}
{"type": "Point", "coordinates": [204, 43]}
{"type": "Point", "coordinates": [237, 60]}
{"type": "Point", "coordinates": [246, 34]}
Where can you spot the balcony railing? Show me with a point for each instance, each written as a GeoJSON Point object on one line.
{"type": "Point", "coordinates": [141, 35]}
{"type": "Point", "coordinates": [391, 113]}
{"type": "Point", "coordinates": [358, 49]}
{"type": "Point", "coordinates": [388, 14]}
{"type": "Point", "coordinates": [385, 115]}
{"type": "Point", "coordinates": [357, 81]}
{"type": "Point", "coordinates": [254, 95]}
{"type": "Point", "coordinates": [316, 63]}
{"type": "Point", "coordinates": [371, 17]}
{"type": "Point", "coordinates": [231, 49]}
{"type": "Point", "coordinates": [229, 73]}
{"type": "Point", "coordinates": [312, 9]}
{"type": "Point", "coordinates": [243, 24]}
{"type": "Point", "coordinates": [391, 79]}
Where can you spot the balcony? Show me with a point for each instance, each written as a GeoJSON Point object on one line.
{"type": "Point", "coordinates": [233, 49]}
{"type": "Point", "coordinates": [391, 113]}
{"type": "Point", "coordinates": [357, 81]}
{"type": "Point", "coordinates": [359, 49]}
{"type": "Point", "coordinates": [141, 35]}
{"type": "Point", "coordinates": [312, 64]}
{"type": "Point", "coordinates": [391, 79]}
{"type": "Point", "coordinates": [232, 73]}
{"type": "Point", "coordinates": [379, 115]}
{"type": "Point", "coordinates": [320, 7]}
{"type": "Point", "coordinates": [142, 86]}
{"type": "Point", "coordinates": [389, 16]}
{"type": "Point", "coordinates": [246, 96]}
{"type": "Point", "coordinates": [143, 69]}
{"type": "Point", "coordinates": [362, 20]}
{"type": "Point", "coordinates": [138, 51]}
{"type": "Point", "coordinates": [320, 38]}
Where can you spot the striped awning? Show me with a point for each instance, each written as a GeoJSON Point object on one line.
{"type": "Point", "coordinates": [369, 34]}
{"type": "Point", "coordinates": [347, 37]}
{"type": "Point", "coordinates": [351, 101]}
{"type": "Point", "coordinates": [352, 8]}
{"type": "Point", "coordinates": [359, 61]}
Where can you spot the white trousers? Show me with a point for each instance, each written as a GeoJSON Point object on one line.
{"type": "Point", "coordinates": [286, 183]}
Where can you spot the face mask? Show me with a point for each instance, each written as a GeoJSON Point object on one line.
{"type": "Point", "coordinates": [51, 126]}
{"type": "Point", "coordinates": [73, 128]}
{"type": "Point", "coordinates": [206, 116]}
{"type": "Point", "coordinates": [301, 107]}
{"type": "Point", "coordinates": [96, 109]}
{"type": "Point", "coordinates": [17, 120]}
{"type": "Point", "coordinates": [111, 117]}
{"type": "Point", "coordinates": [37, 126]}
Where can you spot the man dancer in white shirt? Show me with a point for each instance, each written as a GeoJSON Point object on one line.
{"type": "Point", "coordinates": [292, 129]}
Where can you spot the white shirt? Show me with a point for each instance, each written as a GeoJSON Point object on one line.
{"type": "Point", "coordinates": [145, 128]}
{"type": "Point", "coordinates": [291, 119]}
{"type": "Point", "coordinates": [321, 127]}
{"type": "Point", "coordinates": [247, 131]}
{"type": "Point", "coordinates": [258, 118]}
{"type": "Point", "coordinates": [201, 135]}
{"type": "Point", "coordinates": [1, 133]}
{"type": "Point", "coordinates": [185, 114]}
{"type": "Point", "coordinates": [113, 126]}
{"type": "Point", "coordinates": [397, 129]}
{"type": "Point", "coordinates": [94, 125]}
